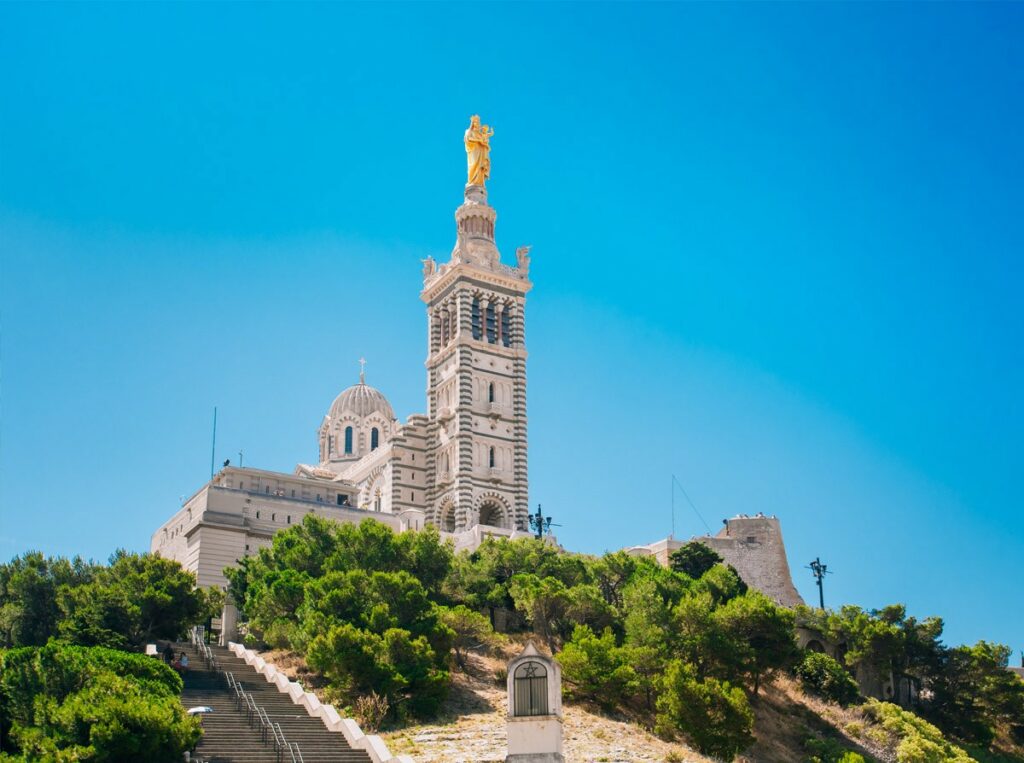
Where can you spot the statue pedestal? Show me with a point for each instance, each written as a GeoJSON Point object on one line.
{"type": "Point", "coordinates": [536, 739]}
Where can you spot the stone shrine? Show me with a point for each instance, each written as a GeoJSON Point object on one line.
{"type": "Point", "coordinates": [534, 708]}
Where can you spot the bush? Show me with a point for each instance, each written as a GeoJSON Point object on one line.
{"type": "Point", "coordinates": [917, 740]}
{"type": "Point", "coordinates": [821, 675]}
{"type": "Point", "coordinates": [66, 703]}
{"type": "Point", "coordinates": [370, 711]}
{"type": "Point", "coordinates": [830, 751]}
{"type": "Point", "coordinates": [714, 715]}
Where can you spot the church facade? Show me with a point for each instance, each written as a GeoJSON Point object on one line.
{"type": "Point", "coordinates": [461, 466]}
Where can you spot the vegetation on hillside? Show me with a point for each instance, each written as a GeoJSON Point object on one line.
{"type": "Point", "coordinates": [966, 690]}
{"type": "Point", "coordinates": [372, 611]}
{"type": "Point", "coordinates": [69, 690]}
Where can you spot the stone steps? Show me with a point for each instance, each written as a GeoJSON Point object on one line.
{"type": "Point", "coordinates": [227, 735]}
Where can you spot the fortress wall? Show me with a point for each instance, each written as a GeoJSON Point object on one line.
{"type": "Point", "coordinates": [754, 546]}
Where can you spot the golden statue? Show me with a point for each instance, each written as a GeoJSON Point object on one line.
{"type": "Point", "coordinates": [478, 150]}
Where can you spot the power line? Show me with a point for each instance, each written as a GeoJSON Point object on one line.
{"type": "Point", "coordinates": [678, 484]}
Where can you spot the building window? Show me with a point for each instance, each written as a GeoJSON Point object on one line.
{"type": "Point", "coordinates": [266, 489]}
{"type": "Point", "coordinates": [374, 438]}
{"type": "Point", "coordinates": [293, 492]}
{"type": "Point", "coordinates": [491, 335]}
{"type": "Point", "coordinates": [241, 485]}
{"type": "Point", "coordinates": [289, 519]}
{"type": "Point", "coordinates": [490, 392]}
{"type": "Point", "coordinates": [475, 318]}
{"type": "Point", "coordinates": [246, 546]}
{"type": "Point", "coordinates": [341, 499]}
{"type": "Point", "coordinates": [490, 457]}
{"type": "Point", "coordinates": [348, 441]}
{"type": "Point", "coordinates": [273, 517]}
{"type": "Point", "coordinates": [506, 333]}
{"type": "Point", "coordinates": [319, 498]}
{"type": "Point", "coordinates": [330, 444]}
{"type": "Point", "coordinates": [257, 515]}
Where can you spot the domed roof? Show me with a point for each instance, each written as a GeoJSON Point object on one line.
{"type": "Point", "coordinates": [361, 400]}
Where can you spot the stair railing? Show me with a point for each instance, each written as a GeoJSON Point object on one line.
{"type": "Point", "coordinates": [255, 713]}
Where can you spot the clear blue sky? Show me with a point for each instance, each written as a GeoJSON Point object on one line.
{"type": "Point", "coordinates": [777, 252]}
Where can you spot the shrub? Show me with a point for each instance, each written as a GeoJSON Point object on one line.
{"type": "Point", "coordinates": [371, 710]}
{"type": "Point", "coordinates": [830, 751]}
{"type": "Point", "coordinates": [917, 740]}
{"type": "Point", "coordinates": [714, 715]}
{"type": "Point", "coordinates": [401, 667]}
{"type": "Point", "coordinates": [821, 675]}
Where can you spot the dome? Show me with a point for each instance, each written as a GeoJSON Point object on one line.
{"type": "Point", "coordinates": [361, 400]}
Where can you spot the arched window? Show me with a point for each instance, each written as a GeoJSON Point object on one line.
{"type": "Point", "coordinates": [374, 438]}
{"type": "Point", "coordinates": [491, 515]}
{"type": "Point", "coordinates": [376, 501]}
{"type": "Point", "coordinates": [448, 518]}
{"type": "Point", "coordinates": [531, 689]}
{"type": "Point", "coordinates": [444, 327]}
{"type": "Point", "coordinates": [330, 445]}
{"type": "Point", "coordinates": [475, 317]}
{"type": "Point", "coordinates": [348, 441]}
{"type": "Point", "coordinates": [490, 392]}
{"type": "Point", "coordinates": [490, 457]}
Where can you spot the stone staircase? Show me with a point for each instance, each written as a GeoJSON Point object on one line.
{"type": "Point", "coordinates": [228, 736]}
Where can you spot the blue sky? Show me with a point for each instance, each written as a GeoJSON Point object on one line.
{"type": "Point", "coordinates": [777, 253]}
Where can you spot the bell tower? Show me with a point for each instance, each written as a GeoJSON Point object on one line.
{"type": "Point", "coordinates": [476, 369]}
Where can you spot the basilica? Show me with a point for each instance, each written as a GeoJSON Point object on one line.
{"type": "Point", "coordinates": [461, 466]}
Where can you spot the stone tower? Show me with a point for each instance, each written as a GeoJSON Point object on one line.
{"type": "Point", "coordinates": [476, 378]}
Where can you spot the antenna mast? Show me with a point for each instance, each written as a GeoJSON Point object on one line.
{"type": "Point", "coordinates": [213, 447]}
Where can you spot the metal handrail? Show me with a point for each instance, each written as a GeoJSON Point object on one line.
{"type": "Point", "coordinates": [258, 713]}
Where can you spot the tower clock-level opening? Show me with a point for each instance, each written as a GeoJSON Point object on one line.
{"type": "Point", "coordinates": [492, 515]}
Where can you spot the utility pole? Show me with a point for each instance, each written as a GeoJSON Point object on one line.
{"type": "Point", "coordinates": [819, 571]}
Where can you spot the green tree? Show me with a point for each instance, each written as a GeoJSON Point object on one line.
{"type": "Point", "coordinates": [823, 676]}
{"type": "Point", "coordinates": [714, 715]}
{"type": "Point", "coordinates": [595, 668]}
{"type": "Point", "coordinates": [67, 703]}
{"type": "Point", "coordinates": [647, 623]}
{"type": "Point", "coordinates": [759, 637]}
{"type": "Point", "coordinates": [138, 598]}
{"type": "Point", "coordinates": [29, 585]}
{"type": "Point", "coordinates": [472, 631]}
{"type": "Point", "coordinates": [974, 693]}
{"type": "Point", "coordinates": [694, 559]}
{"type": "Point", "coordinates": [544, 602]}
